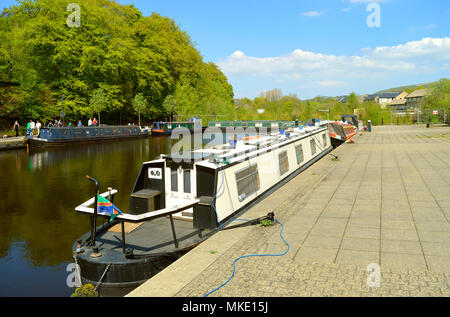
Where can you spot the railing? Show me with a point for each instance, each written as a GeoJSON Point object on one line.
{"type": "Point", "coordinates": [93, 212]}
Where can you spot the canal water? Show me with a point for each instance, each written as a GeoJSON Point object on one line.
{"type": "Point", "coordinates": [38, 193]}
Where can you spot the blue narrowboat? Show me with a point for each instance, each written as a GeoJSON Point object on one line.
{"type": "Point", "coordinates": [67, 135]}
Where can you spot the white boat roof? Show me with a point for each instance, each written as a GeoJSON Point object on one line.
{"type": "Point", "coordinates": [246, 147]}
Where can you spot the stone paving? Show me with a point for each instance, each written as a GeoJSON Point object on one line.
{"type": "Point", "coordinates": [374, 223]}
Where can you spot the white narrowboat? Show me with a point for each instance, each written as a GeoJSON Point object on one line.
{"type": "Point", "coordinates": [179, 200]}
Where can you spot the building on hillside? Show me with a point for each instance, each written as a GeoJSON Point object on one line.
{"type": "Point", "coordinates": [399, 103]}
{"type": "Point", "coordinates": [383, 98]}
{"type": "Point", "coordinates": [417, 98]}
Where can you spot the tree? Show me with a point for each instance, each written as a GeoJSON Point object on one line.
{"type": "Point", "coordinates": [98, 102]}
{"type": "Point", "coordinates": [115, 49]}
{"type": "Point", "coordinates": [139, 105]}
{"type": "Point", "coordinates": [352, 102]}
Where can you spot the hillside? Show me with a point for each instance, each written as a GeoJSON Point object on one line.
{"type": "Point", "coordinates": [409, 88]}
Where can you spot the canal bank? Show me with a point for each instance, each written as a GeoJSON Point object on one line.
{"type": "Point", "coordinates": [385, 201]}
{"type": "Point", "coordinates": [19, 142]}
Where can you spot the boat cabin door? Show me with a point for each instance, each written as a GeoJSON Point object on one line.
{"type": "Point", "coordinates": [181, 183]}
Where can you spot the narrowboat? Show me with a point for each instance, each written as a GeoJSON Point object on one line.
{"type": "Point", "coordinates": [166, 128]}
{"type": "Point", "coordinates": [68, 135]}
{"type": "Point", "coordinates": [257, 124]}
{"type": "Point", "coordinates": [341, 132]}
{"type": "Point", "coordinates": [179, 200]}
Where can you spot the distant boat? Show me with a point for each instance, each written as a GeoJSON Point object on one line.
{"type": "Point", "coordinates": [179, 200]}
{"type": "Point", "coordinates": [258, 124]}
{"type": "Point", "coordinates": [68, 135]}
{"type": "Point", "coordinates": [166, 128]}
{"type": "Point", "coordinates": [341, 132]}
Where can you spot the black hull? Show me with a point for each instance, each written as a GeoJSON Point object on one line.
{"type": "Point", "coordinates": [336, 142]}
{"type": "Point", "coordinates": [124, 275]}
{"type": "Point", "coordinates": [166, 133]}
{"type": "Point", "coordinates": [36, 143]}
{"type": "Point", "coordinates": [158, 133]}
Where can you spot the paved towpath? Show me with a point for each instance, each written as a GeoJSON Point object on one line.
{"type": "Point", "coordinates": [374, 223]}
{"type": "Point", "coordinates": [13, 143]}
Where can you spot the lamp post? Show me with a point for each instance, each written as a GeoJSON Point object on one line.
{"type": "Point", "coordinates": [62, 113]}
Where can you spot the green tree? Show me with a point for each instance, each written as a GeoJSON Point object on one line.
{"type": "Point", "coordinates": [98, 102]}
{"type": "Point", "coordinates": [139, 105]}
{"type": "Point", "coordinates": [352, 102]}
{"type": "Point", "coordinates": [115, 49]}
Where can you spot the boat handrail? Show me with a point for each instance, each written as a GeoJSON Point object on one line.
{"type": "Point", "coordinates": [84, 208]}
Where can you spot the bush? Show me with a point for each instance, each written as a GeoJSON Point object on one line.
{"type": "Point", "coordinates": [85, 290]}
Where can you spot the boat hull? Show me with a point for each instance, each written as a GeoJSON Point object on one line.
{"type": "Point", "coordinates": [155, 132]}
{"type": "Point", "coordinates": [123, 275]}
{"type": "Point", "coordinates": [56, 137]}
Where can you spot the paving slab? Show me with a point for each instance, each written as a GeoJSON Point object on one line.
{"type": "Point", "coordinates": [382, 210]}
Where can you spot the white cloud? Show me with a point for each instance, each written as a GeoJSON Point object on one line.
{"type": "Point", "coordinates": [423, 28]}
{"type": "Point", "coordinates": [330, 71]}
{"type": "Point", "coordinates": [366, 1]}
{"type": "Point", "coordinates": [403, 57]}
{"type": "Point", "coordinates": [331, 83]}
{"type": "Point", "coordinates": [432, 48]}
{"type": "Point", "coordinates": [313, 14]}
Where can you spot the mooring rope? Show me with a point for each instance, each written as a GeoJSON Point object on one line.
{"type": "Point", "coordinates": [251, 255]}
{"type": "Point", "coordinates": [101, 278]}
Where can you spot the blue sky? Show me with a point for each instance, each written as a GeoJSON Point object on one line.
{"type": "Point", "coordinates": [315, 48]}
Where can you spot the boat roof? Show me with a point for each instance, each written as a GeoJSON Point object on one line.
{"type": "Point", "coordinates": [220, 155]}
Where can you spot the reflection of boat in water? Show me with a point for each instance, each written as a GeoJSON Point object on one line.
{"type": "Point", "coordinates": [341, 132]}
{"type": "Point", "coordinates": [179, 200]}
{"type": "Point", "coordinates": [69, 135]}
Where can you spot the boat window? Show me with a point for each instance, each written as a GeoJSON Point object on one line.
{"type": "Point", "coordinates": [313, 147]}
{"type": "Point", "coordinates": [247, 181]}
{"type": "Point", "coordinates": [174, 179]}
{"type": "Point", "coordinates": [299, 152]}
{"type": "Point", "coordinates": [283, 162]}
{"type": "Point", "coordinates": [187, 181]}
{"type": "Point", "coordinates": [324, 137]}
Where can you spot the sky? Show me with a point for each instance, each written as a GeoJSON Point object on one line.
{"type": "Point", "coordinates": [311, 48]}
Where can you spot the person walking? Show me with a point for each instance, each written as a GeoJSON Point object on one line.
{"type": "Point", "coordinates": [79, 124]}
{"type": "Point", "coordinates": [32, 127]}
{"type": "Point", "coordinates": [29, 128]}
{"type": "Point", "coordinates": [16, 128]}
{"type": "Point", "coordinates": [94, 122]}
{"type": "Point", "coordinates": [38, 127]}
{"type": "Point", "coordinates": [90, 122]}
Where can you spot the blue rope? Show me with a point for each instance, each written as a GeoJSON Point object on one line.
{"type": "Point", "coordinates": [250, 255]}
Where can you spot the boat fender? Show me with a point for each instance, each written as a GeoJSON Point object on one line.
{"type": "Point", "coordinates": [79, 247]}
